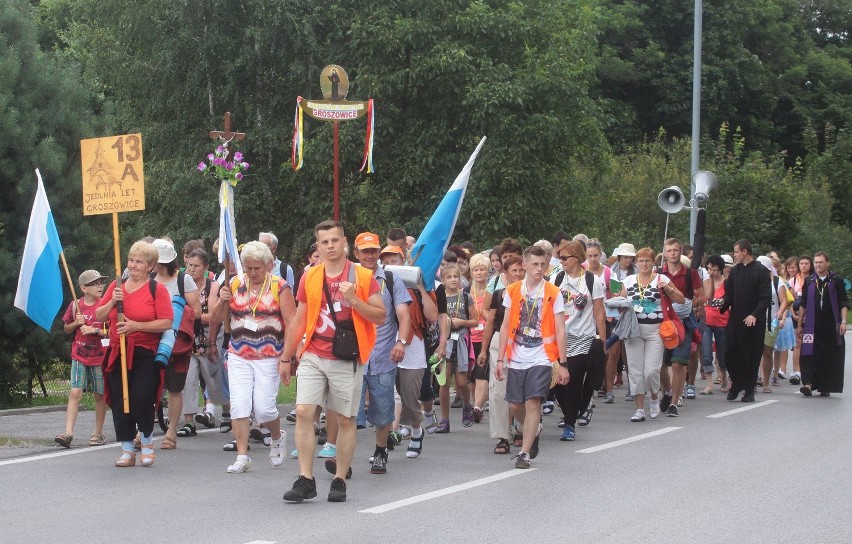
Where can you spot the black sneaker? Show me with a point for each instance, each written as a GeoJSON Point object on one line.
{"type": "Point", "coordinates": [672, 411]}
{"type": "Point", "coordinates": [337, 491]}
{"type": "Point", "coordinates": [322, 436]}
{"type": "Point", "coordinates": [380, 464]}
{"type": "Point", "coordinates": [665, 402]}
{"type": "Point", "coordinates": [303, 488]}
{"type": "Point", "coordinates": [331, 467]}
{"type": "Point", "coordinates": [534, 447]}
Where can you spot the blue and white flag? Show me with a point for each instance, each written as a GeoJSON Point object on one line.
{"type": "Point", "coordinates": [39, 292]}
{"type": "Point", "coordinates": [227, 230]}
{"type": "Point", "coordinates": [429, 248]}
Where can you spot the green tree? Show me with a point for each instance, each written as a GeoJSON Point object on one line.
{"type": "Point", "coordinates": [46, 110]}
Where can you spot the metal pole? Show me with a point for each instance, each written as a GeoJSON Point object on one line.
{"type": "Point", "coordinates": [696, 114]}
{"type": "Point", "coordinates": [336, 171]}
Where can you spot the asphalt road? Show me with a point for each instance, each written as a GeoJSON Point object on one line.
{"type": "Point", "coordinates": [775, 472]}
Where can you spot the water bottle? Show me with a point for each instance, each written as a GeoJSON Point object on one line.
{"type": "Point", "coordinates": [774, 323]}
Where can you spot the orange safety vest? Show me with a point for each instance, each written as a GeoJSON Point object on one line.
{"type": "Point", "coordinates": [364, 329]}
{"type": "Point", "coordinates": [548, 320]}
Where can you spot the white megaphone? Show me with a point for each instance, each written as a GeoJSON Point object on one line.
{"type": "Point", "coordinates": [671, 200]}
{"type": "Point", "coordinates": [704, 181]}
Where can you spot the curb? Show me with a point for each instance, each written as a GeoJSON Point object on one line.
{"type": "Point", "coordinates": [35, 410]}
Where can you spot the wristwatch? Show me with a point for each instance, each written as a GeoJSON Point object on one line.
{"type": "Point", "coordinates": [403, 342]}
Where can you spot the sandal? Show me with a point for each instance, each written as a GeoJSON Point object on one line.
{"type": "Point", "coordinates": [187, 430]}
{"type": "Point", "coordinates": [127, 459]}
{"type": "Point", "coordinates": [147, 459]}
{"type": "Point", "coordinates": [502, 447]}
{"type": "Point", "coordinates": [64, 440]}
{"type": "Point", "coordinates": [168, 443]}
{"type": "Point", "coordinates": [718, 381]}
{"type": "Point", "coordinates": [518, 440]}
{"type": "Point", "coordinates": [97, 440]}
{"type": "Point", "coordinates": [232, 446]}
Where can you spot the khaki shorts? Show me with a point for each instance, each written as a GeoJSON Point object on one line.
{"type": "Point", "coordinates": [330, 382]}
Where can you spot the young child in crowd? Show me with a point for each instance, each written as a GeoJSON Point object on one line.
{"type": "Point", "coordinates": [87, 354]}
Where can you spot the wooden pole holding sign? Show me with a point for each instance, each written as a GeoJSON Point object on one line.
{"type": "Point", "coordinates": [335, 108]}
{"type": "Point", "coordinates": [227, 136]}
{"type": "Point", "coordinates": [113, 181]}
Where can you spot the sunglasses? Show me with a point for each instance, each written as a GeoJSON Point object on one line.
{"type": "Point", "coordinates": [564, 258]}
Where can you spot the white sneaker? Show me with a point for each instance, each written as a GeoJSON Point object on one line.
{"type": "Point", "coordinates": [242, 464]}
{"type": "Point", "coordinates": [638, 416]}
{"type": "Point", "coordinates": [328, 451]}
{"type": "Point", "coordinates": [655, 409]}
{"type": "Point", "coordinates": [276, 452]}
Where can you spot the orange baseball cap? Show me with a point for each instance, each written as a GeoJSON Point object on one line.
{"type": "Point", "coordinates": [367, 240]}
{"type": "Point", "coordinates": [393, 249]}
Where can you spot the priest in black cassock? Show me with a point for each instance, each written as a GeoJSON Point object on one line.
{"type": "Point", "coordinates": [748, 294]}
{"type": "Point", "coordinates": [822, 324]}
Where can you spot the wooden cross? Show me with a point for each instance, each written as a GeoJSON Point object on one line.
{"type": "Point", "coordinates": [226, 134]}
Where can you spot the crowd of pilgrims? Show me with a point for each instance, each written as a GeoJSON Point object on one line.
{"type": "Point", "coordinates": [452, 356]}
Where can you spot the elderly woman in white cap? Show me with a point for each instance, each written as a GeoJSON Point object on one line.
{"type": "Point", "coordinates": [261, 306]}
{"type": "Point", "coordinates": [624, 266]}
{"type": "Point", "coordinates": [177, 284]}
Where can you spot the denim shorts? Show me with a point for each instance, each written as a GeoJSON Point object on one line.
{"type": "Point", "coordinates": [381, 387]}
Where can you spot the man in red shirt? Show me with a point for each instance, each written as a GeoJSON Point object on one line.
{"type": "Point", "coordinates": [688, 282]}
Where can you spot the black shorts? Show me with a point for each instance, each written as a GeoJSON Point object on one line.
{"type": "Point", "coordinates": [175, 381]}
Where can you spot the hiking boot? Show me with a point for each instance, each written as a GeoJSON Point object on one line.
{"type": "Point", "coordinates": [337, 491]}
{"type": "Point", "coordinates": [303, 488]}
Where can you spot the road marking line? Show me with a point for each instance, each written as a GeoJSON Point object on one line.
{"type": "Point", "coordinates": [625, 441]}
{"type": "Point", "coordinates": [75, 451]}
{"type": "Point", "coordinates": [743, 409]}
{"type": "Point", "coordinates": [262, 542]}
{"type": "Point", "coordinates": [446, 491]}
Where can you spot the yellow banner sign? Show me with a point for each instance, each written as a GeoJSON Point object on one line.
{"type": "Point", "coordinates": [113, 179]}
